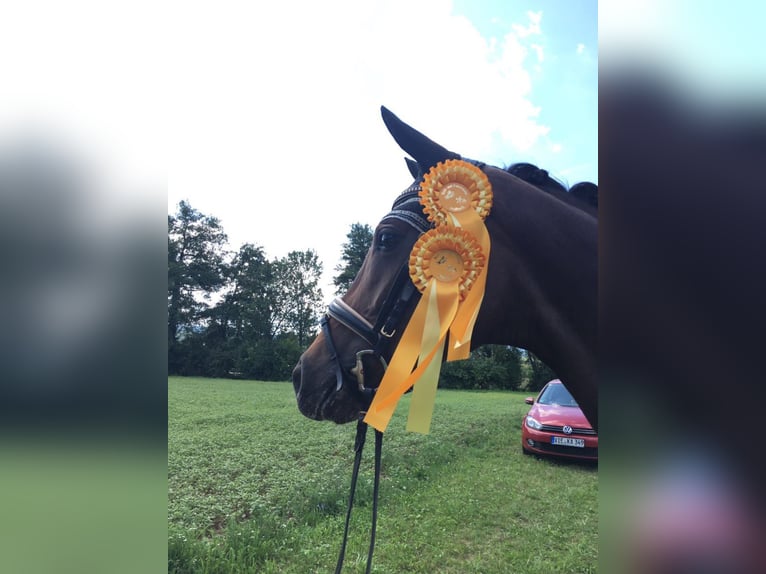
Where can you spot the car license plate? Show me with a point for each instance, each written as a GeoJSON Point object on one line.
{"type": "Point", "coordinates": [568, 441]}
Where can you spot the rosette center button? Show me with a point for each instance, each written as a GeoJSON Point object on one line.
{"type": "Point", "coordinates": [446, 265]}
{"type": "Point", "coordinates": [455, 197]}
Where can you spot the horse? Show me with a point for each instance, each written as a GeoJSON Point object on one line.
{"type": "Point", "coordinates": [585, 193]}
{"type": "Point", "coordinates": [541, 289]}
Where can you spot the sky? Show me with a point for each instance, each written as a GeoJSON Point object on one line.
{"type": "Point", "coordinates": [713, 50]}
{"type": "Point", "coordinates": [266, 114]}
{"type": "Point", "coordinates": [282, 137]}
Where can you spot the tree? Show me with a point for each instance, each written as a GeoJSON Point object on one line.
{"type": "Point", "coordinates": [354, 252]}
{"type": "Point", "coordinates": [262, 322]}
{"type": "Point", "coordinates": [195, 270]}
{"type": "Point", "coordinates": [265, 312]}
{"type": "Point", "coordinates": [241, 315]}
{"type": "Point", "coordinates": [244, 310]}
{"type": "Point", "coordinates": [539, 374]}
{"type": "Point", "coordinates": [295, 296]}
{"type": "Point", "coordinates": [489, 367]}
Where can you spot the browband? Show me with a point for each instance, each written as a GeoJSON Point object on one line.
{"type": "Point", "coordinates": [408, 208]}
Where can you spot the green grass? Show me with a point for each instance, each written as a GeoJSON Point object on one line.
{"type": "Point", "coordinates": [253, 486]}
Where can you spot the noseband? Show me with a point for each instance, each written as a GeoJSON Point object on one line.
{"type": "Point", "coordinates": [378, 336]}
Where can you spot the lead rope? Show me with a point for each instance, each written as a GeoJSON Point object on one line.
{"type": "Point", "coordinates": [361, 435]}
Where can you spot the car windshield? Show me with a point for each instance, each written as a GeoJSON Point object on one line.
{"type": "Point", "coordinates": [557, 395]}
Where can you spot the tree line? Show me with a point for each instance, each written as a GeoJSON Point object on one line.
{"type": "Point", "coordinates": [236, 314]}
{"type": "Point", "coordinates": [240, 314]}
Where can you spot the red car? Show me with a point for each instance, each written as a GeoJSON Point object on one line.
{"type": "Point", "coordinates": [556, 426]}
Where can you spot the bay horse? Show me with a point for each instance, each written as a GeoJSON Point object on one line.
{"type": "Point", "coordinates": [541, 290]}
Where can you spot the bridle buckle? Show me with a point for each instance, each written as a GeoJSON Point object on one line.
{"type": "Point", "coordinates": [385, 333]}
{"type": "Point", "coordinates": [358, 369]}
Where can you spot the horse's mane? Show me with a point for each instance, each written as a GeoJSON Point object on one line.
{"type": "Point", "coordinates": [583, 195]}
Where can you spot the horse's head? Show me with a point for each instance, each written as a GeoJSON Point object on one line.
{"type": "Point", "coordinates": [335, 377]}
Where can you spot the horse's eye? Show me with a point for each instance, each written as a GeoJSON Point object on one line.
{"type": "Point", "coordinates": [387, 240]}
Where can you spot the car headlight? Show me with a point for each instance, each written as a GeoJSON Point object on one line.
{"type": "Point", "coordinates": [533, 424]}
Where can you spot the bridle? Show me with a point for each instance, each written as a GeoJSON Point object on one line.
{"type": "Point", "coordinates": [399, 301]}
{"type": "Point", "coordinates": [377, 336]}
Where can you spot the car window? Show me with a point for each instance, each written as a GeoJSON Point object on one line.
{"type": "Point", "coordinates": [557, 395]}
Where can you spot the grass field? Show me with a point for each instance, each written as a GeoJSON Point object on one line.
{"type": "Point", "coordinates": [253, 486]}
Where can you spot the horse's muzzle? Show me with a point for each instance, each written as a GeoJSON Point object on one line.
{"type": "Point", "coordinates": [319, 399]}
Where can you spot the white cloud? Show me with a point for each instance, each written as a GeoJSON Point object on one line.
{"type": "Point", "coordinates": [275, 108]}
{"type": "Point", "coordinates": [85, 72]}
{"type": "Point", "coordinates": [538, 49]}
{"type": "Point", "coordinates": [533, 29]}
{"type": "Point", "coordinates": [730, 65]}
{"type": "Point", "coordinates": [580, 48]}
{"type": "Point", "coordinates": [267, 113]}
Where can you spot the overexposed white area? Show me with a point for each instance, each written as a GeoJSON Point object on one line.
{"type": "Point", "coordinates": [714, 50]}
{"type": "Point", "coordinates": [266, 115]}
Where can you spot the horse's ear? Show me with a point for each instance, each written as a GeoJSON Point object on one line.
{"type": "Point", "coordinates": [425, 151]}
{"type": "Point", "coordinates": [414, 168]}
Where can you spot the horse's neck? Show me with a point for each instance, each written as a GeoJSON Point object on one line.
{"type": "Point", "coordinates": [542, 285]}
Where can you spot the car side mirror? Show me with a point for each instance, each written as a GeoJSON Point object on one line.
{"type": "Point", "coordinates": [529, 400]}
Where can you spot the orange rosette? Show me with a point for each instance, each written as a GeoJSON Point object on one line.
{"type": "Point", "coordinates": [455, 192]}
{"type": "Point", "coordinates": [444, 264]}
{"type": "Point", "coordinates": [447, 254]}
{"type": "Point", "coordinates": [455, 187]}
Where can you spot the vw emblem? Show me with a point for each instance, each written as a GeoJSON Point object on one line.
{"type": "Point", "coordinates": [567, 429]}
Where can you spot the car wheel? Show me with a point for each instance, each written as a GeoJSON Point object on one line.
{"type": "Point", "coordinates": [525, 451]}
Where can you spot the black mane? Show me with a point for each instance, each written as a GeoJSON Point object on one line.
{"type": "Point", "coordinates": [583, 195]}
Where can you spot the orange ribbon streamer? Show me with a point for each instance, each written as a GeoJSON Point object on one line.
{"type": "Point", "coordinates": [430, 321]}
{"type": "Point", "coordinates": [457, 195]}
{"type": "Point", "coordinates": [465, 319]}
